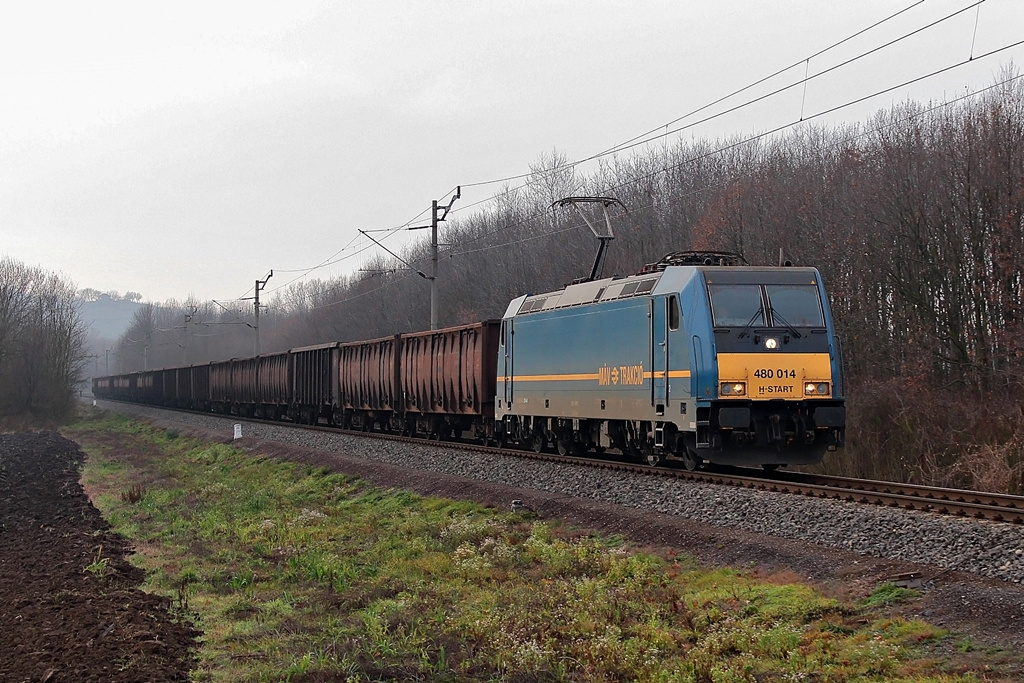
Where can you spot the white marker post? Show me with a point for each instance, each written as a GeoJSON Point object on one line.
{"type": "Point", "coordinates": [238, 431]}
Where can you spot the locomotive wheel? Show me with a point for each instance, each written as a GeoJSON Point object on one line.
{"type": "Point", "coordinates": [562, 447]}
{"type": "Point", "coordinates": [537, 443]}
{"type": "Point", "coordinates": [690, 460]}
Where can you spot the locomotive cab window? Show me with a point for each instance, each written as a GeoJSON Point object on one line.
{"type": "Point", "coordinates": [796, 305]}
{"type": "Point", "coordinates": [673, 313]}
{"type": "Point", "coordinates": [736, 305]}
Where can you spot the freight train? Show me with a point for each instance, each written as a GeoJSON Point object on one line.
{"type": "Point", "coordinates": [696, 359]}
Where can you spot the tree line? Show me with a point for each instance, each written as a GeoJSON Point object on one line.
{"type": "Point", "coordinates": [90, 294]}
{"type": "Point", "coordinates": [915, 219]}
{"type": "Point", "coordinates": [42, 352]}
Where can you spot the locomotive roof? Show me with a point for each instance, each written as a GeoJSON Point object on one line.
{"type": "Point", "coordinates": [671, 279]}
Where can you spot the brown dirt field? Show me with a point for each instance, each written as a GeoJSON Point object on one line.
{"type": "Point", "coordinates": [59, 621]}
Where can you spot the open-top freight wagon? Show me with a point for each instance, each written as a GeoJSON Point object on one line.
{"type": "Point", "coordinates": [436, 384]}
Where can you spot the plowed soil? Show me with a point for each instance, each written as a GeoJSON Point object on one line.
{"type": "Point", "coordinates": [70, 607]}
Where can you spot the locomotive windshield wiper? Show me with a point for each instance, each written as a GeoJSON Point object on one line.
{"type": "Point", "coordinates": [750, 323]}
{"type": "Point", "coordinates": [778, 316]}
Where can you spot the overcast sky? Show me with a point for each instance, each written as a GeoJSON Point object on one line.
{"type": "Point", "coordinates": [188, 148]}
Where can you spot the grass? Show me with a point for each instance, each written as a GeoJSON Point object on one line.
{"type": "Point", "coordinates": [301, 574]}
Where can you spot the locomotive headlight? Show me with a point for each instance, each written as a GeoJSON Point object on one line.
{"type": "Point", "coordinates": [733, 389]}
{"type": "Point", "coordinates": [771, 343]}
{"type": "Point", "coordinates": [816, 389]}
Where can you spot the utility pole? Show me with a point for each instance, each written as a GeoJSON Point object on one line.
{"type": "Point", "coordinates": [434, 220]}
{"type": "Point", "coordinates": [260, 284]}
{"type": "Point", "coordinates": [184, 347]}
{"type": "Point", "coordinates": [433, 265]}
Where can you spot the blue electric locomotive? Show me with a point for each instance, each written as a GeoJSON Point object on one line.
{"type": "Point", "coordinates": [693, 359]}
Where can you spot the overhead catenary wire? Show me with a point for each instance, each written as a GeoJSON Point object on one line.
{"type": "Point", "coordinates": [665, 130]}
{"type": "Point", "coordinates": [629, 144]}
{"type": "Point", "coordinates": [575, 226]}
{"type": "Point", "coordinates": [641, 138]}
{"type": "Point", "coordinates": [644, 137]}
{"type": "Point", "coordinates": [736, 144]}
{"type": "Point", "coordinates": [745, 141]}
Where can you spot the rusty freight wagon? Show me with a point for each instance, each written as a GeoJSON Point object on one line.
{"type": "Point", "coordinates": [448, 380]}
{"type": "Point", "coordinates": [197, 387]}
{"type": "Point", "coordinates": [168, 378]}
{"type": "Point", "coordinates": [121, 388]}
{"type": "Point", "coordinates": [245, 386]}
{"type": "Point", "coordinates": [369, 382]}
{"type": "Point", "coordinates": [221, 388]}
{"type": "Point", "coordinates": [274, 384]}
{"type": "Point", "coordinates": [101, 387]}
{"type": "Point", "coordinates": [315, 383]}
{"type": "Point", "coordinates": [149, 386]}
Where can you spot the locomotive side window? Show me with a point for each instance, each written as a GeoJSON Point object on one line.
{"type": "Point", "coordinates": [736, 305]}
{"type": "Point", "coordinates": [646, 286]}
{"type": "Point", "coordinates": [673, 313]}
{"type": "Point", "coordinates": [796, 305]}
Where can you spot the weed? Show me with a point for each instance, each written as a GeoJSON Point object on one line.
{"type": "Point", "coordinates": [887, 594]}
{"type": "Point", "coordinates": [240, 581]}
{"type": "Point", "coordinates": [100, 566]}
{"type": "Point", "coordinates": [133, 494]}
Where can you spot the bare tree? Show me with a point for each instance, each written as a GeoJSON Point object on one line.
{"type": "Point", "coordinates": [41, 341]}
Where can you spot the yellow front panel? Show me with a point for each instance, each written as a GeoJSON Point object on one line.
{"type": "Point", "coordinates": [775, 375]}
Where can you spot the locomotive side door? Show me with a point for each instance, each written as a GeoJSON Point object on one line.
{"type": "Point", "coordinates": [505, 362]}
{"type": "Point", "coordinates": [659, 351]}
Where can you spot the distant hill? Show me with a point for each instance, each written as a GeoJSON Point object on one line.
{"type": "Point", "coordinates": [108, 318]}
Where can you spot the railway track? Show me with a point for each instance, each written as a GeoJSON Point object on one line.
{"type": "Point", "coordinates": [954, 502]}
